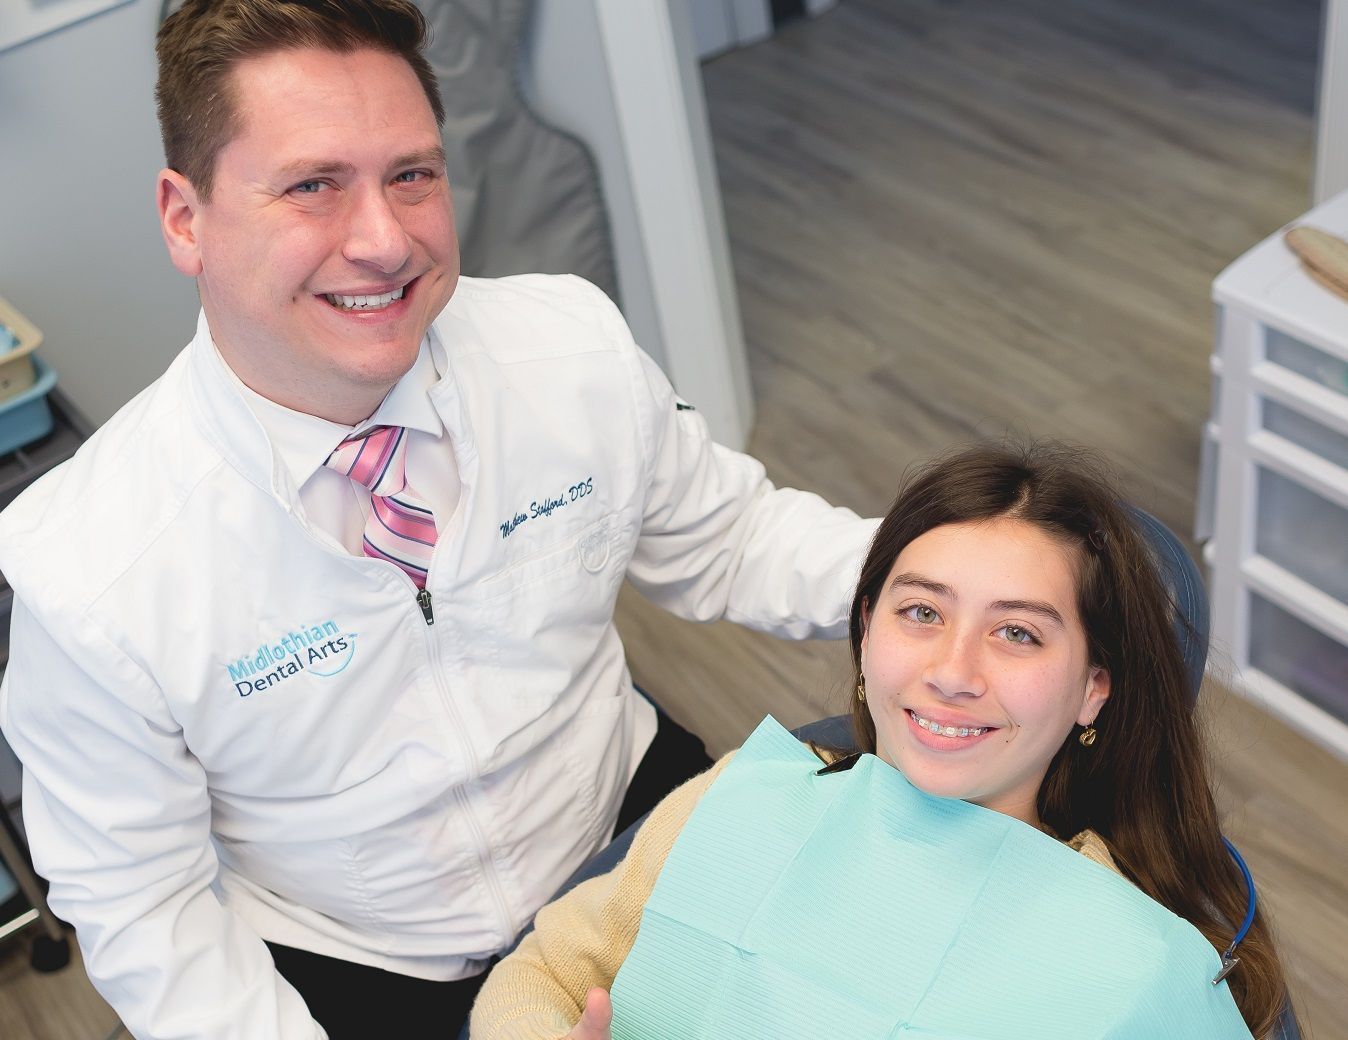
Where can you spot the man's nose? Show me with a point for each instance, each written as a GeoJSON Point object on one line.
{"type": "Point", "coordinates": [955, 668]}
{"type": "Point", "coordinates": [376, 236]}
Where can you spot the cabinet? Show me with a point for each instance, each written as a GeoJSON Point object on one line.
{"type": "Point", "coordinates": [1273, 497]}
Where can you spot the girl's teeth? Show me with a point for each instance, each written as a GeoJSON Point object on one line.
{"type": "Point", "coordinates": [364, 303]}
{"type": "Point", "coordinates": [949, 731]}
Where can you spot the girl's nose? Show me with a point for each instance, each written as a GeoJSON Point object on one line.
{"type": "Point", "coordinates": [955, 668]}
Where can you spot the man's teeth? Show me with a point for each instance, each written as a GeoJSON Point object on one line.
{"type": "Point", "coordinates": [364, 303]}
{"type": "Point", "coordinates": [950, 731]}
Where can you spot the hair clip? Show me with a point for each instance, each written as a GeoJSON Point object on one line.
{"type": "Point", "coordinates": [839, 766]}
{"type": "Point", "coordinates": [1098, 537]}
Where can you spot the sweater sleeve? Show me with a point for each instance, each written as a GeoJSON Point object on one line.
{"type": "Point", "coordinates": [580, 941]}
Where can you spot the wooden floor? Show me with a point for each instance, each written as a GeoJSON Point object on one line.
{"type": "Point", "coordinates": [950, 219]}
{"type": "Point", "coordinates": [59, 1006]}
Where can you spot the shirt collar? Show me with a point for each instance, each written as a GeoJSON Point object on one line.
{"type": "Point", "coordinates": [303, 442]}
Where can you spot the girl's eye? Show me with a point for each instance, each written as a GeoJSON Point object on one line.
{"type": "Point", "coordinates": [1019, 634]}
{"type": "Point", "coordinates": [922, 614]}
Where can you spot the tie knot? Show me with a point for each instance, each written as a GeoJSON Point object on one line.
{"type": "Point", "coordinates": [376, 458]}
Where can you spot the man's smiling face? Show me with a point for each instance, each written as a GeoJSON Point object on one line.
{"type": "Point", "coordinates": [327, 247]}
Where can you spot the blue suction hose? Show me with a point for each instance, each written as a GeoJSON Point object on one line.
{"type": "Point", "coordinates": [1229, 958]}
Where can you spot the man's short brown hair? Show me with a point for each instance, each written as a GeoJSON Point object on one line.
{"type": "Point", "coordinates": [199, 45]}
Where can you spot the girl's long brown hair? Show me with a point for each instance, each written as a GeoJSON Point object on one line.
{"type": "Point", "coordinates": [1143, 786]}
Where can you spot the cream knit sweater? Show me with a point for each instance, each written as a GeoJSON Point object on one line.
{"type": "Point", "coordinates": [581, 940]}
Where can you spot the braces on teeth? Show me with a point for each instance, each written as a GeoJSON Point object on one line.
{"type": "Point", "coordinates": [949, 731]}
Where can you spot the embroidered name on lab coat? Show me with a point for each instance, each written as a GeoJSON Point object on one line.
{"type": "Point", "coordinates": [547, 505]}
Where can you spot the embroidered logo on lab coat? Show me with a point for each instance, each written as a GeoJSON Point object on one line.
{"type": "Point", "coordinates": [320, 649]}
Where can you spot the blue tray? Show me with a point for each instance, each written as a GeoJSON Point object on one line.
{"type": "Point", "coordinates": [27, 416]}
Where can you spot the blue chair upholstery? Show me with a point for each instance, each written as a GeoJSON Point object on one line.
{"type": "Point", "coordinates": [1192, 623]}
{"type": "Point", "coordinates": [1193, 618]}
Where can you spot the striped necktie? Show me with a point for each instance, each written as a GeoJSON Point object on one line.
{"type": "Point", "coordinates": [401, 527]}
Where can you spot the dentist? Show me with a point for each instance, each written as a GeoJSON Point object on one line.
{"type": "Point", "coordinates": [314, 674]}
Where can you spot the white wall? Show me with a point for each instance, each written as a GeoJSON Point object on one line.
{"type": "Point", "coordinates": [80, 250]}
{"type": "Point", "coordinates": [1331, 139]}
{"type": "Point", "coordinates": [719, 25]}
{"type": "Point", "coordinates": [623, 76]}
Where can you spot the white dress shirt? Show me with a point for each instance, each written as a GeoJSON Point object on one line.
{"type": "Point", "coordinates": [336, 504]}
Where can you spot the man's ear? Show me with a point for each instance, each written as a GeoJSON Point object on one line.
{"type": "Point", "coordinates": [178, 211]}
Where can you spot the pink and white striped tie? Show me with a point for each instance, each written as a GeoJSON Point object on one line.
{"type": "Point", "coordinates": [401, 527]}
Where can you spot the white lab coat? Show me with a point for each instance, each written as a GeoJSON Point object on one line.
{"type": "Point", "coordinates": [233, 728]}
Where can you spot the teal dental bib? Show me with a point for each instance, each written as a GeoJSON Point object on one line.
{"type": "Point", "coordinates": [853, 905]}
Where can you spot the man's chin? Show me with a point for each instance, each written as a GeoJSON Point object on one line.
{"type": "Point", "coordinates": [381, 343]}
{"type": "Point", "coordinates": [383, 366]}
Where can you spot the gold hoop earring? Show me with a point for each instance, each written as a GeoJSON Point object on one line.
{"type": "Point", "coordinates": [861, 689]}
{"type": "Point", "coordinates": [1087, 737]}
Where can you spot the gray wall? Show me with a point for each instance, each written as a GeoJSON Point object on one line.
{"type": "Point", "coordinates": [80, 250]}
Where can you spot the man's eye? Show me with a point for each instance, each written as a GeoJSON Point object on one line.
{"type": "Point", "coordinates": [922, 614]}
{"type": "Point", "coordinates": [309, 187]}
{"type": "Point", "coordinates": [1018, 634]}
{"type": "Point", "coordinates": [410, 176]}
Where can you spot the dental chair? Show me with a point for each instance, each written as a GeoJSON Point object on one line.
{"type": "Point", "coordinates": [1192, 625]}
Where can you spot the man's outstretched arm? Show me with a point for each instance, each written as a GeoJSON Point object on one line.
{"type": "Point", "coordinates": [118, 819]}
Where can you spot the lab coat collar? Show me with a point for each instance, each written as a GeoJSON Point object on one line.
{"type": "Point", "coordinates": [305, 441]}
{"type": "Point", "coordinates": [280, 450]}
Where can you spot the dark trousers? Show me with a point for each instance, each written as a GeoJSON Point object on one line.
{"type": "Point", "coordinates": [675, 755]}
{"type": "Point", "coordinates": [356, 1002]}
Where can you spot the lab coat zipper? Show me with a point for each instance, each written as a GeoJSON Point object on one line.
{"type": "Point", "coordinates": [486, 862]}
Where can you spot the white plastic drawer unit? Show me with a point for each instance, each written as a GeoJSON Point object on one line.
{"type": "Point", "coordinates": [1293, 427]}
{"type": "Point", "coordinates": [1273, 491]}
{"type": "Point", "coordinates": [1299, 657]}
{"type": "Point", "coordinates": [1300, 532]}
{"type": "Point", "coordinates": [1307, 361]}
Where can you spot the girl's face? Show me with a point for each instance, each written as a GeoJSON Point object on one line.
{"type": "Point", "coordinates": [975, 663]}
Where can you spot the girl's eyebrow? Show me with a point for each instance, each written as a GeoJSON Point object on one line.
{"type": "Point", "coordinates": [936, 588]}
{"type": "Point", "coordinates": [1047, 611]}
{"type": "Point", "coordinates": [1030, 606]}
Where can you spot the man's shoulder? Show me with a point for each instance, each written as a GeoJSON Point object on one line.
{"type": "Point", "coordinates": [81, 522]}
{"type": "Point", "coordinates": [533, 317]}
{"type": "Point", "coordinates": [546, 291]}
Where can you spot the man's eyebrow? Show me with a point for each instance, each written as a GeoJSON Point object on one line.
{"type": "Point", "coordinates": [425, 157]}
{"type": "Point", "coordinates": [314, 168]}
{"type": "Point", "coordinates": [337, 167]}
{"type": "Point", "coordinates": [1030, 606]}
{"type": "Point", "coordinates": [936, 588]}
